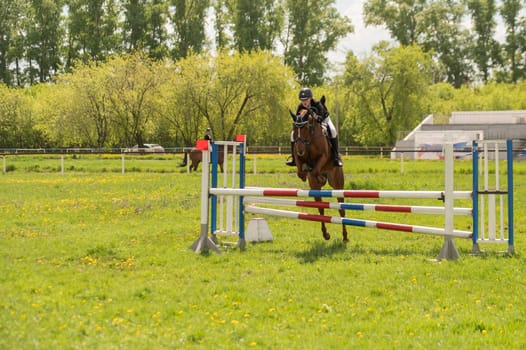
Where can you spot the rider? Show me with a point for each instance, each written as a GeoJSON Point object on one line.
{"type": "Point", "coordinates": [208, 134]}
{"type": "Point", "coordinates": [307, 102]}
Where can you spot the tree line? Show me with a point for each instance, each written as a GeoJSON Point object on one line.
{"type": "Point", "coordinates": [134, 99]}
{"type": "Point", "coordinates": [42, 38]}
{"type": "Point", "coordinates": [111, 73]}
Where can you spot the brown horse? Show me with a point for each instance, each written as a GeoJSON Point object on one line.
{"type": "Point", "coordinates": [196, 157]}
{"type": "Point", "coordinates": [314, 159]}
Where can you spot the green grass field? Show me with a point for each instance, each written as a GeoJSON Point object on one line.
{"type": "Point", "coordinates": [97, 259]}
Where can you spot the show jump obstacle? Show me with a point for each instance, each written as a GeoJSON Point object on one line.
{"type": "Point", "coordinates": [228, 204]}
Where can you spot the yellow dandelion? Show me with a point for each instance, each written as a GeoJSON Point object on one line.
{"type": "Point", "coordinates": [117, 321]}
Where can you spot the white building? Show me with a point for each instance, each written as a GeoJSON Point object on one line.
{"type": "Point", "coordinates": [461, 128]}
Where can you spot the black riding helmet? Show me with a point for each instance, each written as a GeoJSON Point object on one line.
{"type": "Point", "coordinates": [305, 93]}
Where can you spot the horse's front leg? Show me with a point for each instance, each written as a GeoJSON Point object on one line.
{"type": "Point", "coordinates": [316, 171]}
{"type": "Point", "coordinates": [321, 211]}
{"type": "Point", "coordinates": [302, 174]}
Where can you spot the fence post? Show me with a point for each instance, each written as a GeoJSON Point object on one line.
{"type": "Point", "coordinates": [62, 164]}
{"type": "Point", "coordinates": [122, 162]}
{"type": "Point", "coordinates": [4, 168]}
{"type": "Point", "coordinates": [509, 161]}
{"type": "Point", "coordinates": [449, 251]}
{"type": "Point", "coordinates": [204, 242]}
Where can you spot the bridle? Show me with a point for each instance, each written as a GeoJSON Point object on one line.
{"type": "Point", "coordinates": [299, 124]}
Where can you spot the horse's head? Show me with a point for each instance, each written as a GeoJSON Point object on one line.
{"type": "Point", "coordinates": [302, 135]}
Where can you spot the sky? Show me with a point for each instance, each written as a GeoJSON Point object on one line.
{"type": "Point", "coordinates": [362, 39]}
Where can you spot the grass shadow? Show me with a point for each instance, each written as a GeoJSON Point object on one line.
{"type": "Point", "coordinates": [321, 249]}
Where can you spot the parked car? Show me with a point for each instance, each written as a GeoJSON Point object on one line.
{"type": "Point", "coordinates": [148, 148]}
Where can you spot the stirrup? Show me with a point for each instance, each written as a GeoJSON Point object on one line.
{"type": "Point", "coordinates": [338, 161]}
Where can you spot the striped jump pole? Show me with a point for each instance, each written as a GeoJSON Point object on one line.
{"type": "Point", "coordinates": [274, 192]}
{"type": "Point", "coordinates": [357, 206]}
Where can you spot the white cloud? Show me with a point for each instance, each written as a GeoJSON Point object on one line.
{"type": "Point", "coordinates": [362, 39]}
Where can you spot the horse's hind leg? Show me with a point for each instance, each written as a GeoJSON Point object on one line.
{"type": "Point", "coordinates": [321, 211]}
{"type": "Point", "coordinates": [336, 181]}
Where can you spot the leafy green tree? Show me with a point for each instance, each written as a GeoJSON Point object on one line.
{"type": "Point", "coordinates": [135, 24]}
{"type": "Point", "coordinates": [222, 26]}
{"type": "Point", "coordinates": [18, 46]}
{"type": "Point", "coordinates": [91, 30]}
{"type": "Point", "coordinates": [44, 39]}
{"type": "Point", "coordinates": [400, 17]}
{"type": "Point", "coordinates": [157, 36]}
{"type": "Point", "coordinates": [182, 116]}
{"type": "Point", "coordinates": [515, 45]}
{"type": "Point", "coordinates": [115, 103]}
{"type": "Point", "coordinates": [11, 13]}
{"type": "Point", "coordinates": [439, 25]}
{"type": "Point", "coordinates": [257, 24]}
{"type": "Point", "coordinates": [17, 125]}
{"type": "Point", "coordinates": [485, 47]}
{"type": "Point", "coordinates": [81, 106]}
{"type": "Point", "coordinates": [189, 21]}
{"type": "Point", "coordinates": [490, 97]}
{"type": "Point", "coordinates": [312, 29]}
{"type": "Point", "coordinates": [133, 85]}
{"type": "Point", "coordinates": [390, 90]}
{"type": "Point", "coordinates": [232, 94]}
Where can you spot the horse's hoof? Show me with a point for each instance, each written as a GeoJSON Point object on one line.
{"type": "Point", "coordinates": [346, 240]}
{"type": "Point", "coordinates": [326, 236]}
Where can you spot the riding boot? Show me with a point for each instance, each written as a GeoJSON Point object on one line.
{"type": "Point", "coordinates": [292, 161]}
{"type": "Point", "coordinates": [336, 152]}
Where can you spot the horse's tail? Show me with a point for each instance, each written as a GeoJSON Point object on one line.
{"type": "Point", "coordinates": [185, 159]}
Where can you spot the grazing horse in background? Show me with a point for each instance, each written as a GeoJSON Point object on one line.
{"type": "Point", "coordinates": [314, 159]}
{"type": "Point", "coordinates": [196, 157]}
